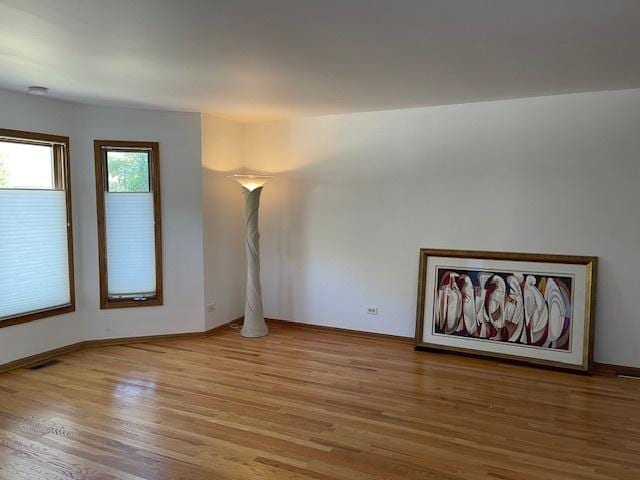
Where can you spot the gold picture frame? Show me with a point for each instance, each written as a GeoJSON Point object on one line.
{"type": "Point", "coordinates": [438, 323]}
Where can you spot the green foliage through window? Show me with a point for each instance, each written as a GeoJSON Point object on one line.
{"type": "Point", "coordinates": [128, 171]}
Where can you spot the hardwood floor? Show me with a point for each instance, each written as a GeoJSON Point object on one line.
{"type": "Point", "coordinates": [307, 404]}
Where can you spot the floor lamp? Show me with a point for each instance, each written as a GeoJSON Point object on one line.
{"type": "Point", "coordinates": [254, 324]}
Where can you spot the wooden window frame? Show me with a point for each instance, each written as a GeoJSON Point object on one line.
{"type": "Point", "coordinates": [100, 153]}
{"type": "Point", "coordinates": [62, 181]}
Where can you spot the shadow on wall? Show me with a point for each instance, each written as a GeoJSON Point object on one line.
{"type": "Point", "coordinates": [224, 261]}
{"type": "Point", "coordinates": [286, 246]}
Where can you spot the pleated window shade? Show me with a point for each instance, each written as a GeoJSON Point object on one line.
{"type": "Point", "coordinates": [34, 262]}
{"type": "Point", "coordinates": [130, 232]}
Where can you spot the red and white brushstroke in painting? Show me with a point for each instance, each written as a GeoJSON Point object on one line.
{"type": "Point", "coordinates": [512, 307]}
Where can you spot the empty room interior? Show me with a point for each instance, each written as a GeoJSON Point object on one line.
{"type": "Point", "coordinates": [319, 239]}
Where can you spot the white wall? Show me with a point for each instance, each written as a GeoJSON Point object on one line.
{"type": "Point", "coordinates": [223, 208]}
{"type": "Point", "coordinates": [357, 195]}
{"type": "Point", "coordinates": [183, 278]}
{"type": "Point", "coordinates": [22, 112]}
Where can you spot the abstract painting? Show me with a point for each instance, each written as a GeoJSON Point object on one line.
{"type": "Point", "coordinates": [526, 307]}
{"type": "Point", "coordinates": [517, 307]}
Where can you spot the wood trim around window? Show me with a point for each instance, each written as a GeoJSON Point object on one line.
{"type": "Point", "coordinates": [62, 180]}
{"type": "Point", "coordinates": [154, 183]}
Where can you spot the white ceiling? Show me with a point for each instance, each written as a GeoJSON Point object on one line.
{"type": "Point", "coordinates": [264, 59]}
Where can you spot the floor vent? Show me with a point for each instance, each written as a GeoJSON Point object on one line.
{"type": "Point", "coordinates": [45, 364]}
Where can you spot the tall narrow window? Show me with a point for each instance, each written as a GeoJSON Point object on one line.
{"type": "Point", "coordinates": [129, 233]}
{"type": "Point", "coordinates": [36, 241]}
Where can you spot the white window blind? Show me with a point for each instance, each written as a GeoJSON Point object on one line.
{"type": "Point", "coordinates": [130, 244]}
{"type": "Point", "coordinates": [34, 257]}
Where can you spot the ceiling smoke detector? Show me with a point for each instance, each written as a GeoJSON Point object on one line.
{"type": "Point", "coordinates": [36, 90]}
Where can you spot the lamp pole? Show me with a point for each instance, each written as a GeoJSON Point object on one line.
{"type": "Point", "coordinates": [254, 324]}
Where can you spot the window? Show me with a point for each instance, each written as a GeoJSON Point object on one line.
{"type": "Point", "coordinates": [129, 233]}
{"type": "Point", "coordinates": [36, 240]}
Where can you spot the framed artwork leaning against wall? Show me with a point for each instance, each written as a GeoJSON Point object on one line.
{"type": "Point", "coordinates": [524, 307]}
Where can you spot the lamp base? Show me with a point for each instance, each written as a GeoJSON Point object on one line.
{"type": "Point", "coordinates": [254, 331]}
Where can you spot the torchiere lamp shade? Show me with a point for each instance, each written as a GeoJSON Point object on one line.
{"type": "Point", "coordinates": [251, 182]}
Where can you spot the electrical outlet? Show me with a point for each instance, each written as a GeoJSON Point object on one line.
{"type": "Point", "coordinates": [372, 310]}
{"type": "Point", "coordinates": [211, 307]}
